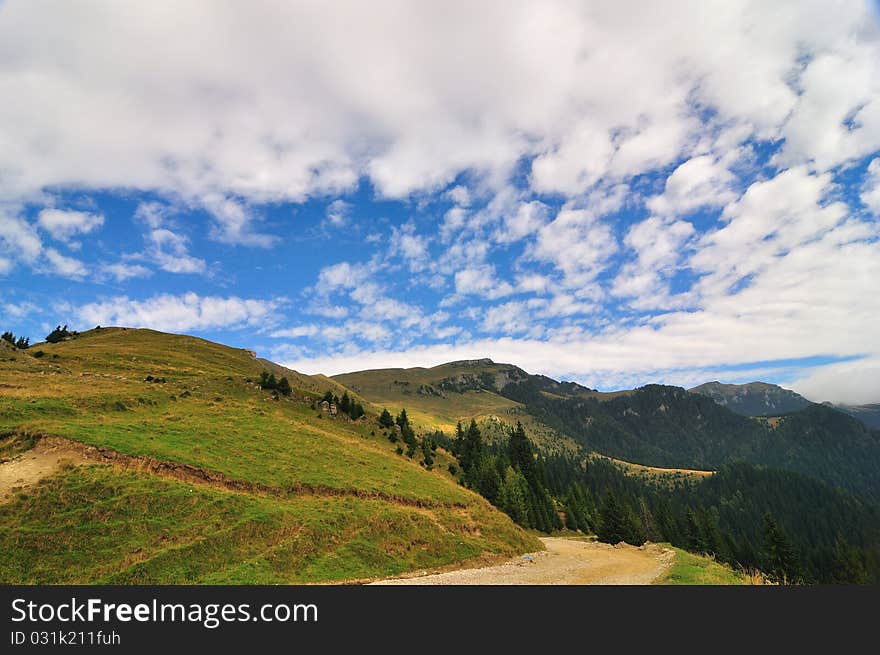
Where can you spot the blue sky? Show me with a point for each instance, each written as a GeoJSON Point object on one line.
{"type": "Point", "coordinates": [596, 191]}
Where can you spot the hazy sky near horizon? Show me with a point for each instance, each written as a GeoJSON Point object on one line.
{"type": "Point", "coordinates": [610, 192]}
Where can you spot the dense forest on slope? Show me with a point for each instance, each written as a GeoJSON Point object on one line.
{"type": "Point", "coordinates": [754, 398]}
{"type": "Point", "coordinates": [789, 526]}
{"type": "Point", "coordinates": [667, 426]}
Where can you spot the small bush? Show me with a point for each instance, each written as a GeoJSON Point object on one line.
{"type": "Point", "coordinates": [39, 354]}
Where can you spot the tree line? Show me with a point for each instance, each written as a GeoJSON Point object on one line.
{"type": "Point", "coordinates": [22, 343]}
{"type": "Point", "coordinates": [789, 526]}
{"type": "Point", "coordinates": [345, 405]}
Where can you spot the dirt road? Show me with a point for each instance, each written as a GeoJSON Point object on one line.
{"type": "Point", "coordinates": [32, 465]}
{"type": "Point", "coordinates": [566, 561]}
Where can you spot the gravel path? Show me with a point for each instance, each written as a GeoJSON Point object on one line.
{"type": "Point", "coordinates": [566, 561]}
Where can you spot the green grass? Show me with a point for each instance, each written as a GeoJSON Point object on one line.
{"type": "Point", "coordinates": [398, 388]}
{"type": "Point", "coordinates": [691, 569]}
{"type": "Point", "coordinates": [92, 524]}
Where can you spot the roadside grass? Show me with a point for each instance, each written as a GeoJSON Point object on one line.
{"type": "Point", "coordinates": [94, 524]}
{"type": "Point", "coordinates": [691, 569]}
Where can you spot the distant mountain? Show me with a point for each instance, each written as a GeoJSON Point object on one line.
{"type": "Point", "coordinates": [867, 414]}
{"type": "Point", "coordinates": [754, 398]}
{"type": "Point", "coordinates": [655, 425]}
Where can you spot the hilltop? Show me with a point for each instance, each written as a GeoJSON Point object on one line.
{"type": "Point", "coordinates": [275, 491]}
{"type": "Point", "coordinates": [754, 398]}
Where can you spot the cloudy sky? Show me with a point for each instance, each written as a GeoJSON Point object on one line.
{"type": "Point", "coordinates": [611, 192]}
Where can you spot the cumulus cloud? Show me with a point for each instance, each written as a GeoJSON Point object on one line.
{"type": "Point", "coordinates": [120, 271]}
{"type": "Point", "coordinates": [65, 266]}
{"type": "Point", "coordinates": [871, 187]}
{"type": "Point", "coordinates": [559, 81]}
{"type": "Point", "coordinates": [179, 313]}
{"type": "Point", "coordinates": [658, 244]}
{"type": "Point", "coordinates": [18, 239]}
{"type": "Point", "coordinates": [700, 181]}
{"type": "Point", "coordinates": [337, 212]}
{"type": "Point", "coordinates": [481, 281]}
{"type": "Point", "coordinates": [170, 251]}
{"type": "Point", "coordinates": [64, 224]}
{"type": "Point", "coordinates": [577, 243]}
{"type": "Point", "coordinates": [409, 246]}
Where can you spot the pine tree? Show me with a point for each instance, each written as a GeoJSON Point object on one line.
{"type": "Point", "coordinates": [522, 456]}
{"type": "Point", "coordinates": [385, 419]}
{"type": "Point", "coordinates": [471, 452]}
{"type": "Point", "coordinates": [284, 387]}
{"type": "Point", "coordinates": [780, 558]}
{"type": "Point", "coordinates": [612, 521]}
{"type": "Point", "coordinates": [345, 403]}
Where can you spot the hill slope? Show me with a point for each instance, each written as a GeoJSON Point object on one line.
{"type": "Point", "coordinates": [306, 497]}
{"type": "Point", "coordinates": [439, 397]}
{"type": "Point", "coordinates": [754, 398]}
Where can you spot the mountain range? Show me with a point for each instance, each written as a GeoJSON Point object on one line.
{"type": "Point", "coordinates": [194, 463]}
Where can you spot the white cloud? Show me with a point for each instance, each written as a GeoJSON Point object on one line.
{"type": "Point", "coordinates": [21, 309]}
{"type": "Point", "coordinates": [411, 247]}
{"type": "Point", "coordinates": [528, 218]}
{"type": "Point", "coordinates": [277, 112]}
{"type": "Point", "coordinates": [481, 281]}
{"type": "Point", "coordinates": [121, 271]}
{"type": "Point", "coordinates": [837, 116]}
{"type": "Point", "coordinates": [460, 195]}
{"type": "Point", "coordinates": [154, 214]}
{"type": "Point", "coordinates": [343, 275]}
{"type": "Point", "coordinates": [179, 313]}
{"type": "Point", "coordinates": [338, 212]}
{"type": "Point", "coordinates": [170, 251]}
{"type": "Point", "coordinates": [64, 224]}
{"type": "Point", "coordinates": [65, 266]}
{"type": "Point", "coordinates": [296, 332]}
{"type": "Point", "coordinates": [577, 243]}
{"type": "Point", "coordinates": [769, 220]}
{"type": "Point", "coordinates": [699, 182]}
{"type": "Point", "coordinates": [18, 239]}
{"type": "Point", "coordinates": [659, 247]}
{"type": "Point", "coordinates": [854, 382]}
{"type": "Point", "coordinates": [871, 187]}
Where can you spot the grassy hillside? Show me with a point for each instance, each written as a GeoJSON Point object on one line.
{"type": "Point", "coordinates": [206, 411]}
{"type": "Point", "coordinates": [441, 396]}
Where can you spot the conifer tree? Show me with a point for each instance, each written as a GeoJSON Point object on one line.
{"type": "Point", "coordinates": [780, 558]}
{"type": "Point", "coordinates": [385, 419]}
{"type": "Point", "coordinates": [284, 387]}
